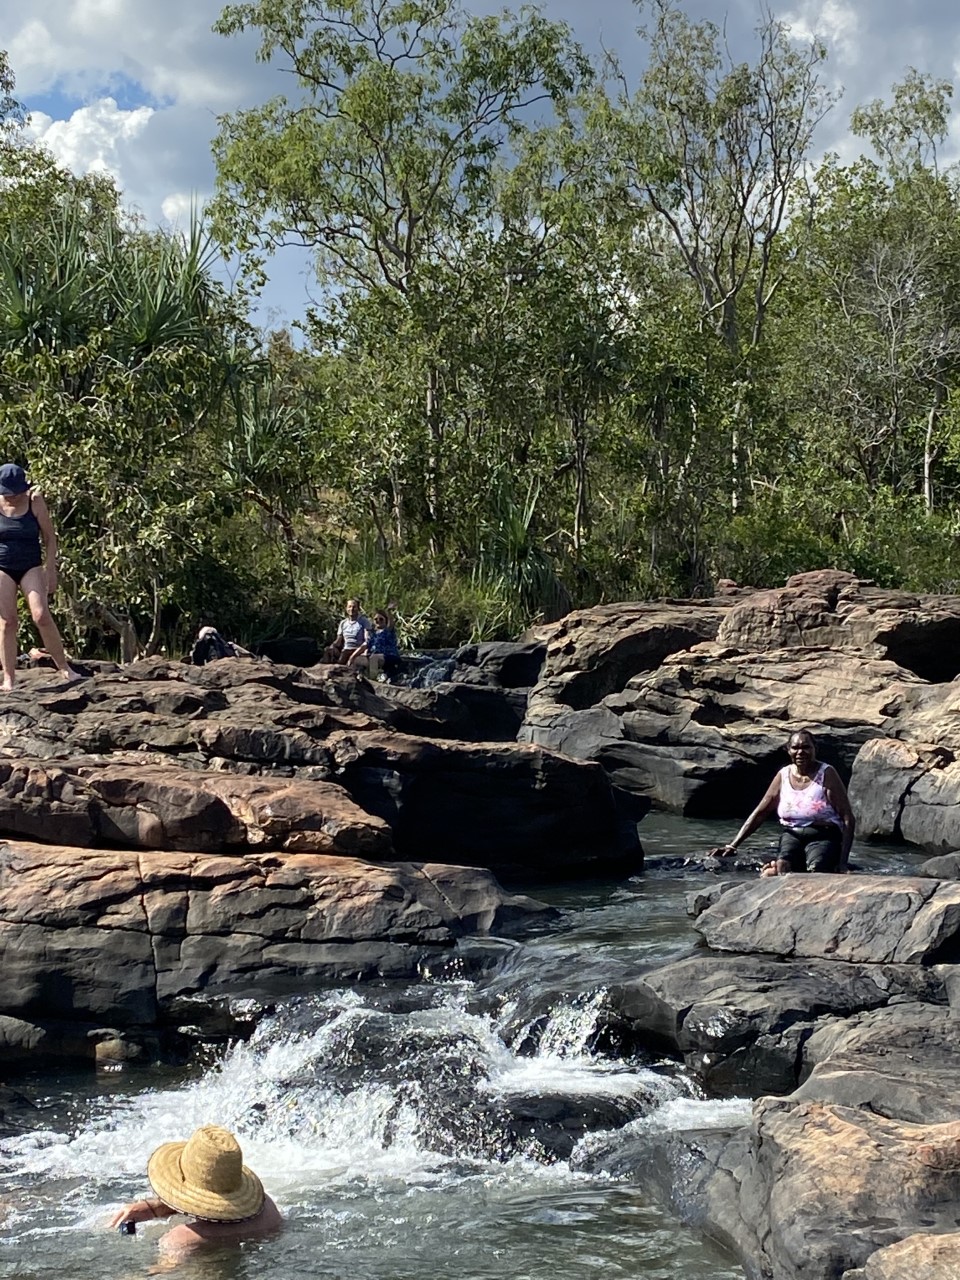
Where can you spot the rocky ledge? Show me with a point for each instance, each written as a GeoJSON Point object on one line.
{"type": "Point", "coordinates": [688, 704]}
{"type": "Point", "coordinates": [840, 995]}
{"type": "Point", "coordinates": [182, 837]}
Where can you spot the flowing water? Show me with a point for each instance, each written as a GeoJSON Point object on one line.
{"type": "Point", "coordinates": [408, 1131]}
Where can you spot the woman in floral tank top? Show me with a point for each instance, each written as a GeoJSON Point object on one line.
{"type": "Point", "coordinates": [816, 822]}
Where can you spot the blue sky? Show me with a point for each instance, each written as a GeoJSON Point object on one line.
{"type": "Point", "coordinates": [135, 86]}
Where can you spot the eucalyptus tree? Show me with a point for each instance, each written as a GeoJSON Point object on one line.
{"type": "Point", "coordinates": [717, 149]}
{"type": "Point", "coordinates": [386, 157]}
{"type": "Point", "coordinates": [875, 334]}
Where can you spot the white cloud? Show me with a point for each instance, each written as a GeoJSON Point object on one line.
{"type": "Point", "coordinates": [834, 21]}
{"type": "Point", "coordinates": [94, 138]}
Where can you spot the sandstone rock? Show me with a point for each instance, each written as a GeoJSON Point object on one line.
{"type": "Point", "coordinates": [520, 810]}
{"type": "Point", "coordinates": [704, 733]}
{"type": "Point", "coordinates": [515, 807]}
{"type": "Point", "coordinates": [594, 652]}
{"type": "Point", "coordinates": [163, 807]}
{"type": "Point", "coordinates": [919, 1257]}
{"type": "Point", "coordinates": [946, 867]}
{"type": "Point", "coordinates": [862, 919]}
{"type": "Point", "coordinates": [902, 1062]}
{"type": "Point", "coordinates": [836, 610]}
{"type": "Point", "coordinates": [740, 1021]}
{"type": "Point", "coordinates": [828, 1186]}
{"type": "Point", "coordinates": [121, 937]}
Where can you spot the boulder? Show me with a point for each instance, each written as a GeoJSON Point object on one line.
{"type": "Point", "coordinates": [295, 744]}
{"type": "Point", "coordinates": [861, 919]}
{"type": "Point", "coordinates": [919, 1257]}
{"type": "Point", "coordinates": [524, 812]}
{"type": "Point", "coordinates": [910, 791]}
{"type": "Point", "coordinates": [594, 652]}
{"type": "Point", "coordinates": [825, 1187]}
{"type": "Point", "coordinates": [499, 663]}
{"type": "Point", "coordinates": [125, 937]}
{"type": "Point", "coordinates": [740, 1021]}
{"type": "Point", "coordinates": [901, 1061]}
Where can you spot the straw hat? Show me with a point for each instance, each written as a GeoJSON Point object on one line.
{"type": "Point", "coordinates": [206, 1176]}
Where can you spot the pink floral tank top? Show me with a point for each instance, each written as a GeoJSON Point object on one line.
{"type": "Point", "coordinates": [807, 806]}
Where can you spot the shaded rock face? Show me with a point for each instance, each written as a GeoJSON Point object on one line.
{"type": "Point", "coordinates": [125, 936]}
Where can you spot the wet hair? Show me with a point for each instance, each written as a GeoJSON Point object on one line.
{"type": "Point", "coordinates": [802, 733]}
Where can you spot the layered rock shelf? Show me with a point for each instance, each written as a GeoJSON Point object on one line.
{"type": "Point", "coordinates": [180, 837]}
{"type": "Point", "coordinates": [689, 704]}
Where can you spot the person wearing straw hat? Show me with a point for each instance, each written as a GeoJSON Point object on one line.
{"type": "Point", "coordinates": [206, 1178]}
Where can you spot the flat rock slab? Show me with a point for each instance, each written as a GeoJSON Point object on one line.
{"type": "Point", "coordinates": [861, 919]}
{"type": "Point", "coordinates": [739, 1021]}
{"type": "Point", "coordinates": [902, 1061]}
{"type": "Point", "coordinates": [920, 1257]}
{"type": "Point", "coordinates": [122, 936]}
{"type": "Point", "coordinates": [160, 806]}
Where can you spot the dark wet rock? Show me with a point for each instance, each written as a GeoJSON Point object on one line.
{"type": "Point", "coordinates": [469, 712]}
{"type": "Point", "coordinates": [740, 1021]}
{"type": "Point", "coordinates": [524, 812]}
{"type": "Point", "coordinates": [499, 663]}
{"type": "Point", "coordinates": [862, 919]}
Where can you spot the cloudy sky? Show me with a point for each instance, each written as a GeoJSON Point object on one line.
{"type": "Point", "coordinates": [135, 86]}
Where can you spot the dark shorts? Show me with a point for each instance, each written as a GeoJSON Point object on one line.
{"type": "Point", "coordinates": [811, 848]}
{"type": "Point", "coordinates": [17, 574]}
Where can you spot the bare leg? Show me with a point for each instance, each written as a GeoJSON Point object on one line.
{"type": "Point", "coordinates": [34, 587]}
{"type": "Point", "coordinates": [8, 629]}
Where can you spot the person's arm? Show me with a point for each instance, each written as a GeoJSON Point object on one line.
{"type": "Point", "coordinates": [48, 537]}
{"type": "Point", "coordinates": [837, 795]}
{"type": "Point", "coordinates": [760, 814]}
{"type": "Point", "coordinates": [141, 1211]}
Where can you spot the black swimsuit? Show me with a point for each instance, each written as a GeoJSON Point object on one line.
{"type": "Point", "coordinates": [20, 544]}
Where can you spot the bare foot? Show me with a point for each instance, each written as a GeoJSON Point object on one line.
{"type": "Point", "coordinates": [8, 686]}
{"type": "Point", "coordinates": [69, 676]}
{"type": "Point", "coordinates": [769, 869]}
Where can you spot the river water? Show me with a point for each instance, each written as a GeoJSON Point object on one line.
{"type": "Point", "coordinates": [409, 1131]}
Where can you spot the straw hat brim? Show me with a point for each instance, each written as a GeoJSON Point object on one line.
{"type": "Point", "coordinates": [167, 1180]}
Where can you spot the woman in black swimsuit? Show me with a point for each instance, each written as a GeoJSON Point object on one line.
{"type": "Point", "coordinates": [24, 525]}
